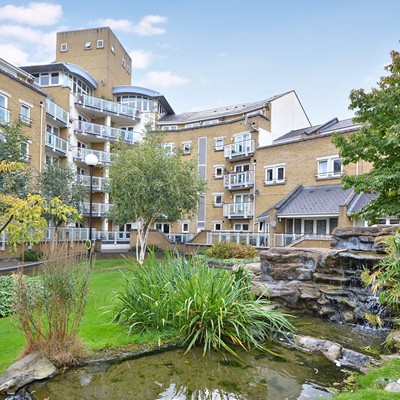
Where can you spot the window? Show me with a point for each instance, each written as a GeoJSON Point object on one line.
{"type": "Point", "coordinates": [186, 147]}
{"type": "Point", "coordinates": [47, 79]}
{"type": "Point", "coordinates": [194, 125]}
{"type": "Point", "coordinates": [329, 167]}
{"type": "Point", "coordinates": [217, 226]}
{"type": "Point", "coordinates": [169, 147]}
{"type": "Point", "coordinates": [185, 227]}
{"type": "Point", "coordinates": [219, 171]}
{"type": "Point", "coordinates": [218, 199]}
{"type": "Point", "coordinates": [25, 114]}
{"type": "Point", "coordinates": [128, 68]}
{"type": "Point", "coordinates": [112, 49]}
{"type": "Point", "coordinates": [53, 130]}
{"type": "Point", "coordinates": [124, 63]}
{"type": "Point", "coordinates": [163, 227]}
{"type": "Point", "coordinates": [241, 227]}
{"type": "Point", "coordinates": [100, 43]}
{"type": "Point", "coordinates": [212, 122]}
{"type": "Point", "coordinates": [4, 113]}
{"type": "Point", "coordinates": [219, 144]}
{"type": "Point", "coordinates": [64, 47]}
{"type": "Point", "coordinates": [275, 174]}
{"type": "Point", "coordinates": [88, 45]}
{"type": "Point", "coordinates": [170, 128]}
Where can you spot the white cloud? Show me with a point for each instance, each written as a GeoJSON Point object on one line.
{"type": "Point", "coordinates": [33, 14]}
{"type": "Point", "coordinates": [162, 79]}
{"type": "Point", "coordinates": [145, 27]}
{"type": "Point", "coordinates": [140, 58]}
{"type": "Point", "coordinates": [29, 35]}
{"type": "Point", "coordinates": [13, 54]}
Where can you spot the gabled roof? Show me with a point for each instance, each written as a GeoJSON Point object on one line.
{"type": "Point", "coordinates": [333, 125]}
{"type": "Point", "coordinates": [235, 109]}
{"type": "Point", "coordinates": [359, 201]}
{"type": "Point", "coordinates": [315, 200]}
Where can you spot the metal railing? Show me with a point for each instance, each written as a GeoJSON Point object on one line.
{"type": "Point", "coordinates": [98, 209]}
{"type": "Point", "coordinates": [238, 210]}
{"type": "Point", "coordinates": [4, 116]}
{"type": "Point", "coordinates": [105, 132]}
{"type": "Point", "coordinates": [80, 153]}
{"type": "Point", "coordinates": [107, 106]}
{"type": "Point", "coordinates": [113, 236]}
{"type": "Point", "coordinates": [239, 180]}
{"type": "Point", "coordinates": [56, 143]}
{"type": "Point", "coordinates": [253, 239]}
{"type": "Point", "coordinates": [57, 112]}
{"type": "Point", "coordinates": [100, 183]}
{"type": "Point", "coordinates": [239, 149]}
{"type": "Point", "coordinates": [180, 237]}
{"type": "Point", "coordinates": [288, 239]}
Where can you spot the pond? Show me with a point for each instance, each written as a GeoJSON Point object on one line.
{"type": "Point", "coordinates": [174, 375]}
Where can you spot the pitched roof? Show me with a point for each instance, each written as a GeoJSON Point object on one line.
{"type": "Point", "coordinates": [359, 201]}
{"type": "Point", "coordinates": [315, 200]}
{"type": "Point", "coordinates": [217, 112]}
{"type": "Point", "coordinates": [333, 125]}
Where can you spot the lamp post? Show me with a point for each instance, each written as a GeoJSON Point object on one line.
{"type": "Point", "coordinates": [91, 161]}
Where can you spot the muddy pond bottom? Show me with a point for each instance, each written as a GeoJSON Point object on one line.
{"type": "Point", "coordinates": [175, 375]}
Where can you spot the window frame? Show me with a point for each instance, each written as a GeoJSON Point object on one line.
{"type": "Point", "coordinates": [274, 169]}
{"type": "Point", "coordinates": [330, 167]}
{"type": "Point", "coordinates": [218, 199]}
{"type": "Point", "coordinates": [217, 167]}
{"type": "Point", "coordinates": [187, 150]}
{"type": "Point", "coordinates": [219, 147]}
{"type": "Point", "coordinates": [100, 44]}
{"type": "Point", "coordinates": [63, 47]}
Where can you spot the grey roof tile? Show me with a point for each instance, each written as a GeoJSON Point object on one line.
{"type": "Point", "coordinates": [359, 201]}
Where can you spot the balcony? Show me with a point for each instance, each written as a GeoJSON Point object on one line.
{"type": "Point", "coordinates": [80, 153]}
{"type": "Point", "coordinates": [239, 150]}
{"type": "Point", "coordinates": [98, 209]}
{"type": "Point", "coordinates": [101, 107]}
{"type": "Point", "coordinates": [239, 180]}
{"type": "Point", "coordinates": [253, 239]}
{"type": "Point", "coordinates": [238, 210]}
{"type": "Point", "coordinates": [58, 114]}
{"type": "Point", "coordinates": [56, 144]}
{"type": "Point", "coordinates": [4, 116]}
{"type": "Point", "coordinates": [100, 184]}
{"type": "Point", "coordinates": [98, 133]}
{"type": "Point", "coordinates": [180, 237]}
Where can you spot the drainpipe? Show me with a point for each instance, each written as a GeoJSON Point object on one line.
{"type": "Point", "coordinates": [41, 137]}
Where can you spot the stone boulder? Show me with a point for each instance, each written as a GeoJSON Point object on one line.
{"type": "Point", "coordinates": [394, 339]}
{"type": "Point", "coordinates": [31, 368]}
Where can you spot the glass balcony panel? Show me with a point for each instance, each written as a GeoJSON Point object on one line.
{"type": "Point", "coordinates": [57, 112]}
{"type": "Point", "coordinates": [56, 143]}
{"type": "Point", "coordinates": [239, 149]}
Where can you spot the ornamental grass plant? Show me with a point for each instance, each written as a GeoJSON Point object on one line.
{"type": "Point", "coordinates": [212, 308]}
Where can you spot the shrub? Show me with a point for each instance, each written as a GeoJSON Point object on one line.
{"type": "Point", "coordinates": [32, 255]}
{"type": "Point", "coordinates": [213, 307]}
{"type": "Point", "coordinates": [224, 250]}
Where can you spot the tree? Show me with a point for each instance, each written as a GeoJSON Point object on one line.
{"type": "Point", "coordinates": [60, 181]}
{"type": "Point", "coordinates": [149, 184]}
{"type": "Point", "coordinates": [377, 142]}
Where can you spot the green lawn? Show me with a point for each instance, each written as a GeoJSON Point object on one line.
{"type": "Point", "coordinates": [96, 331]}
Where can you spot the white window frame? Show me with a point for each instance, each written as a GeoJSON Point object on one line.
{"type": "Point", "coordinates": [193, 125]}
{"type": "Point", "coordinates": [169, 128]}
{"type": "Point", "coordinates": [330, 162]}
{"type": "Point", "coordinates": [63, 47]}
{"type": "Point", "coordinates": [183, 226]}
{"type": "Point", "coordinates": [4, 109]}
{"type": "Point", "coordinates": [25, 119]}
{"type": "Point", "coordinates": [219, 168]}
{"type": "Point", "coordinates": [170, 147]}
{"type": "Point", "coordinates": [218, 199]}
{"type": "Point", "coordinates": [211, 122]}
{"type": "Point", "coordinates": [219, 147]}
{"type": "Point", "coordinates": [241, 225]}
{"type": "Point", "coordinates": [215, 223]}
{"type": "Point", "coordinates": [275, 169]}
{"type": "Point", "coordinates": [112, 49]}
{"type": "Point", "coordinates": [187, 147]}
{"type": "Point", "coordinates": [123, 63]}
{"type": "Point", "coordinates": [100, 43]}
{"type": "Point", "coordinates": [88, 45]}
{"type": "Point", "coordinates": [162, 225]}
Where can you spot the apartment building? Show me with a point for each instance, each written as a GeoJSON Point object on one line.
{"type": "Point", "coordinates": [258, 158]}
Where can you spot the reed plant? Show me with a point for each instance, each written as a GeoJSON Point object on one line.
{"type": "Point", "coordinates": [213, 308]}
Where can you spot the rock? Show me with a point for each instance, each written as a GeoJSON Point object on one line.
{"type": "Point", "coordinates": [393, 387]}
{"type": "Point", "coordinates": [352, 359]}
{"type": "Point", "coordinates": [349, 317]}
{"type": "Point", "coordinates": [30, 368]}
{"type": "Point", "coordinates": [394, 339]}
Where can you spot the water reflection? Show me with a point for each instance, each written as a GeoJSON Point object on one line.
{"type": "Point", "coordinates": [174, 375]}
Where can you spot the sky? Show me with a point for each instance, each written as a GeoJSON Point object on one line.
{"type": "Point", "coordinates": [213, 53]}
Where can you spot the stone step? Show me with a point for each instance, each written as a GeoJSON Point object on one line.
{"type": "Point", "coordinates": [331, 279]}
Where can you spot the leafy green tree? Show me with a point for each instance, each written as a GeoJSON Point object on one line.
{"type": "Point", "coordinates": [377, 142]}
{"type": "Point", "coordinates": [149, 184]}
{"type": "Point", "coordinates": [60, 181]}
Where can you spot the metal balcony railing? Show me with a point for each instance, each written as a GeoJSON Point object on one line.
{"type": "Point", "coordinates": [56, 143]}
{"type": "Point", "coordinates": [98, 209]}
{"type": "Point", "coordinates": [253, 239]}
{"type": "Point", "coordinates": [287, 239]}
{"type": "Point", "coordinates": [113, 236]}
{"type": "Point", "coordinates": [238, 210]}
{"type": "Point", "coordinates": [100, 184]}
{"type": "Point", "coordinates": [239, 180]}
{"type": "Point", "coordinates": [239, 150]}
{"type": "Point", "coordinates": [80, 153]}
{"type": "Point", "coordinates": [105, 132]}
{"type": "Point", "coordinates": [57, 112]}
{"type": "Point", "coordinates": [4, 116]}
{"type": "Point", "coordinates": [107, 106]}
{"type": "Point", "coordinates": [180, 237]}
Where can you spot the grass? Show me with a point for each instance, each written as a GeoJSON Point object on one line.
{"type": "Point", "coordinates": [370, 386]}
{"type": "Point", "coordinates": [95, 332]}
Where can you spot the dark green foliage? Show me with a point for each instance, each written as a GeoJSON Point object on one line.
{"type": "Point", "coordinates": [32, 255]}
{"type": "Point", "coordinates": [214, 308]}
{"type": "Point", "coordinates": [377, 142]}
{"type": "Point", "coordinates": [225, 250]}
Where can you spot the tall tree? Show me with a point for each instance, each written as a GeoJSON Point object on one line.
{"type": "Point", "coordinates": [377, 142]}
{"type": "Point", "coordinates": [149, 184]}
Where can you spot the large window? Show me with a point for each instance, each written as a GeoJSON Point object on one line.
{"type": "Point", "coordinates": [329, 167]}
{"type": "Point", "coordinates": [47, 78]}
{"type": "Point", "coordinates": [275, 174]}
{"type": "Point", "coordinates": [143, 103]}
{"type": "Point", "coordinates": [77, 85]}
{"type": "Point", "coordinates": [4, 112]}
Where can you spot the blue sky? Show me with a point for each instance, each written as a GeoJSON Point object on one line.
{"type": "Point", "coordinates": [211, 53]}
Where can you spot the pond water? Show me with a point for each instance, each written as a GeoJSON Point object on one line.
{"type": "Point", "coordinates": [175, 375]}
